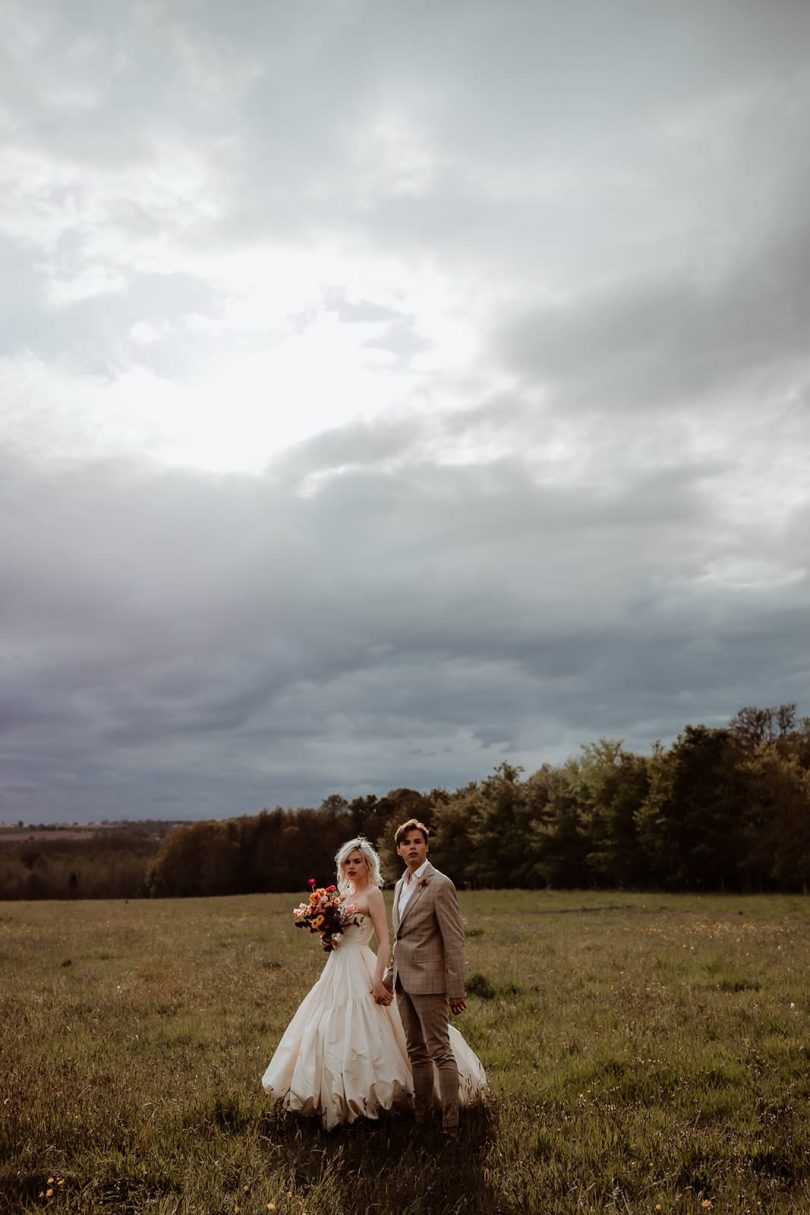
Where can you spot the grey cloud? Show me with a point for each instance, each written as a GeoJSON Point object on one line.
{"type": "Point", "coordinates": [571, 109]}
{"type": "Point", "coordinates": [410, 626]}
{"type": "Point", "coordinates": [96, 332]}
{"type": "Point", "coordinates": [359, 311]}
{"type": "Point", "coordinates": [22, 299]}
{"type": "Point", "coordinates": [650, 345]}
{"type": "Point", "coordinates": [397, 330]}
{"type": "Point", "coordinates": [622, 191]}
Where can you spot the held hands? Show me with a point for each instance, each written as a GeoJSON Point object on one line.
{"type": "Point", "coordinates": [458, 1006]}
{"type": "Point", "coordinates": [381, 994]}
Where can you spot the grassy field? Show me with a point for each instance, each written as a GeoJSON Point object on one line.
{"type": "Point", "coordinates": [646, 1053]}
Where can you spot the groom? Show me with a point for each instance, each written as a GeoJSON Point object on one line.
{"type": "Point", "coordinates": [427, 971]}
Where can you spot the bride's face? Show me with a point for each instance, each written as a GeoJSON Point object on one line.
{"type": "Point", "coordinates": [355, 867]}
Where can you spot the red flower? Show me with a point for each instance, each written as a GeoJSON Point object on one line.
{"type": "Point", "coordinates": [311, 882]}
{"type": "Point", "coordinates": [329, 889]}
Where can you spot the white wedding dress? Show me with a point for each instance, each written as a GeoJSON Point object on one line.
{"type": "Point", "coordinates": [343, 1056]}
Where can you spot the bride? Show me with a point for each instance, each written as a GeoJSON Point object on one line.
{"type": "Point", "coordinates": [343, 1056]}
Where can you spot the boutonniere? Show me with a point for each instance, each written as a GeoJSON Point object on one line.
{"type": "Point", "coordinates": [423, 882]}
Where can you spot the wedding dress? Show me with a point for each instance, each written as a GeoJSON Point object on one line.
{"type": "Point", "coordinates": [343, 1056]}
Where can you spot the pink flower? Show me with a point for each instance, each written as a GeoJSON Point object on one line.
{"type": "Point", "coordinates": [329, 889]}
{"type": "Point", "coordinates": [311, 882]}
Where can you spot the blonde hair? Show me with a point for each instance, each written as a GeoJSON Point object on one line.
{"type": "Point", "coordinates": [360, 844]}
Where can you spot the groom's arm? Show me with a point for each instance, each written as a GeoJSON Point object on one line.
{"type": "Point", "coordinates": [448, 917]}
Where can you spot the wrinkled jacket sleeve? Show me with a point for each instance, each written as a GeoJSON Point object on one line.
{"type": "Point", "coordinates": [448, 917]}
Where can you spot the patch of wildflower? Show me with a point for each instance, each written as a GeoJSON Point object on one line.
{"type": "Point", "coordinates": [53, 1184]}
{"type": "Point", "coordinates": [326, 913]}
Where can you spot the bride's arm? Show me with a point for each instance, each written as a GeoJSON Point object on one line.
{"type": "Point", "coordinates": [376, 910]}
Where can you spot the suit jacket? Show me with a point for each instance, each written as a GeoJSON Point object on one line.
{"type": "Point", "coordinates": [428, 957]}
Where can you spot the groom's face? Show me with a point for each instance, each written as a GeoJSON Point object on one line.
{"type": "Point", "coordinates": [413, 849]}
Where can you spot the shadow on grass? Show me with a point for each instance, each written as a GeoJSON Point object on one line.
{"type": "Point", "coordinates": [391, 1164]}
{"type": "Point", "coordinates": [124, 1194]}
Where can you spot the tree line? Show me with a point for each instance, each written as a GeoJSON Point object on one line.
{"type": "Point", "coordinates": [58, 862]}
{"type": "Point", "coordinates": [720, 809]}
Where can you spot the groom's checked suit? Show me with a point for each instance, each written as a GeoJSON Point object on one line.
{"type": "Point", "coordinates": [427, 970]}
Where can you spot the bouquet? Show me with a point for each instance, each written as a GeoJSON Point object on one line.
{"type": "Point", "coordinates": [325, 913]}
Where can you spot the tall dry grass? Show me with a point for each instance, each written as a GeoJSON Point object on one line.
{"type": "Point", "coordinates": [646, 1053]}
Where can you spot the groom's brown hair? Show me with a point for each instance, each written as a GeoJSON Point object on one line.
{"type": "Point", "coordinates": [412, 824]}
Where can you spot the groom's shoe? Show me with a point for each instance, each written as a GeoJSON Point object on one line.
{"type": "Point", "coordinates": [450, 1132]}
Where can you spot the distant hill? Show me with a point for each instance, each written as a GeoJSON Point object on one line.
{"type": "Point", "coordinates": [78, 860]}
{"type": "Point", "coordinates": [146, 828]}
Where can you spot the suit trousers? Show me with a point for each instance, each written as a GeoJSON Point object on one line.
{"type": "Point", "coordinates": [424, 1019]}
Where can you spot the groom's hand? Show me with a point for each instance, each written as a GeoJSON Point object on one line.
{"type": "Point", "coordinates": [458, 1006]}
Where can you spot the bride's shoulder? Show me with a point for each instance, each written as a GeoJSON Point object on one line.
{"type": "Point", "coordinates": [372, 898]}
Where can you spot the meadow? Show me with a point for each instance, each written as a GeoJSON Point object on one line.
{"type": "Point", "coordinates": [647, 1053]}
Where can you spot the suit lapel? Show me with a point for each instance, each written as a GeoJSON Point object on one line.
{"type": "Point", "coordinates": [416, 894]}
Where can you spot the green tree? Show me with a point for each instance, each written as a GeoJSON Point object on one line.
{"type": "Point", "coordinates": [451, 848]}
{"type": "Point", "coordinates": [778, 821]}
{"type": "Point", "coordinates": [691, 824]}
{"type": "Point", "coordinates": [611, 785]}
{"type": "Point", "coordinates": [753, 726]}
{"type": "Point", "coordinates": [557, 840]}
{"type": "Point", "coordinates": [198, 859]}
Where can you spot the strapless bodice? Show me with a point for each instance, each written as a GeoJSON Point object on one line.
{"type": "Point", "coordinates": [357, 934]}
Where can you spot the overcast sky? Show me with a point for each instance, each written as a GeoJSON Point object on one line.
{"type": "Point", "coordinates": [391, 389]}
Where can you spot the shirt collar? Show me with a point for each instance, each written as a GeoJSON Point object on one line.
{"type": "Point", "coordinates": [419, 872]}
